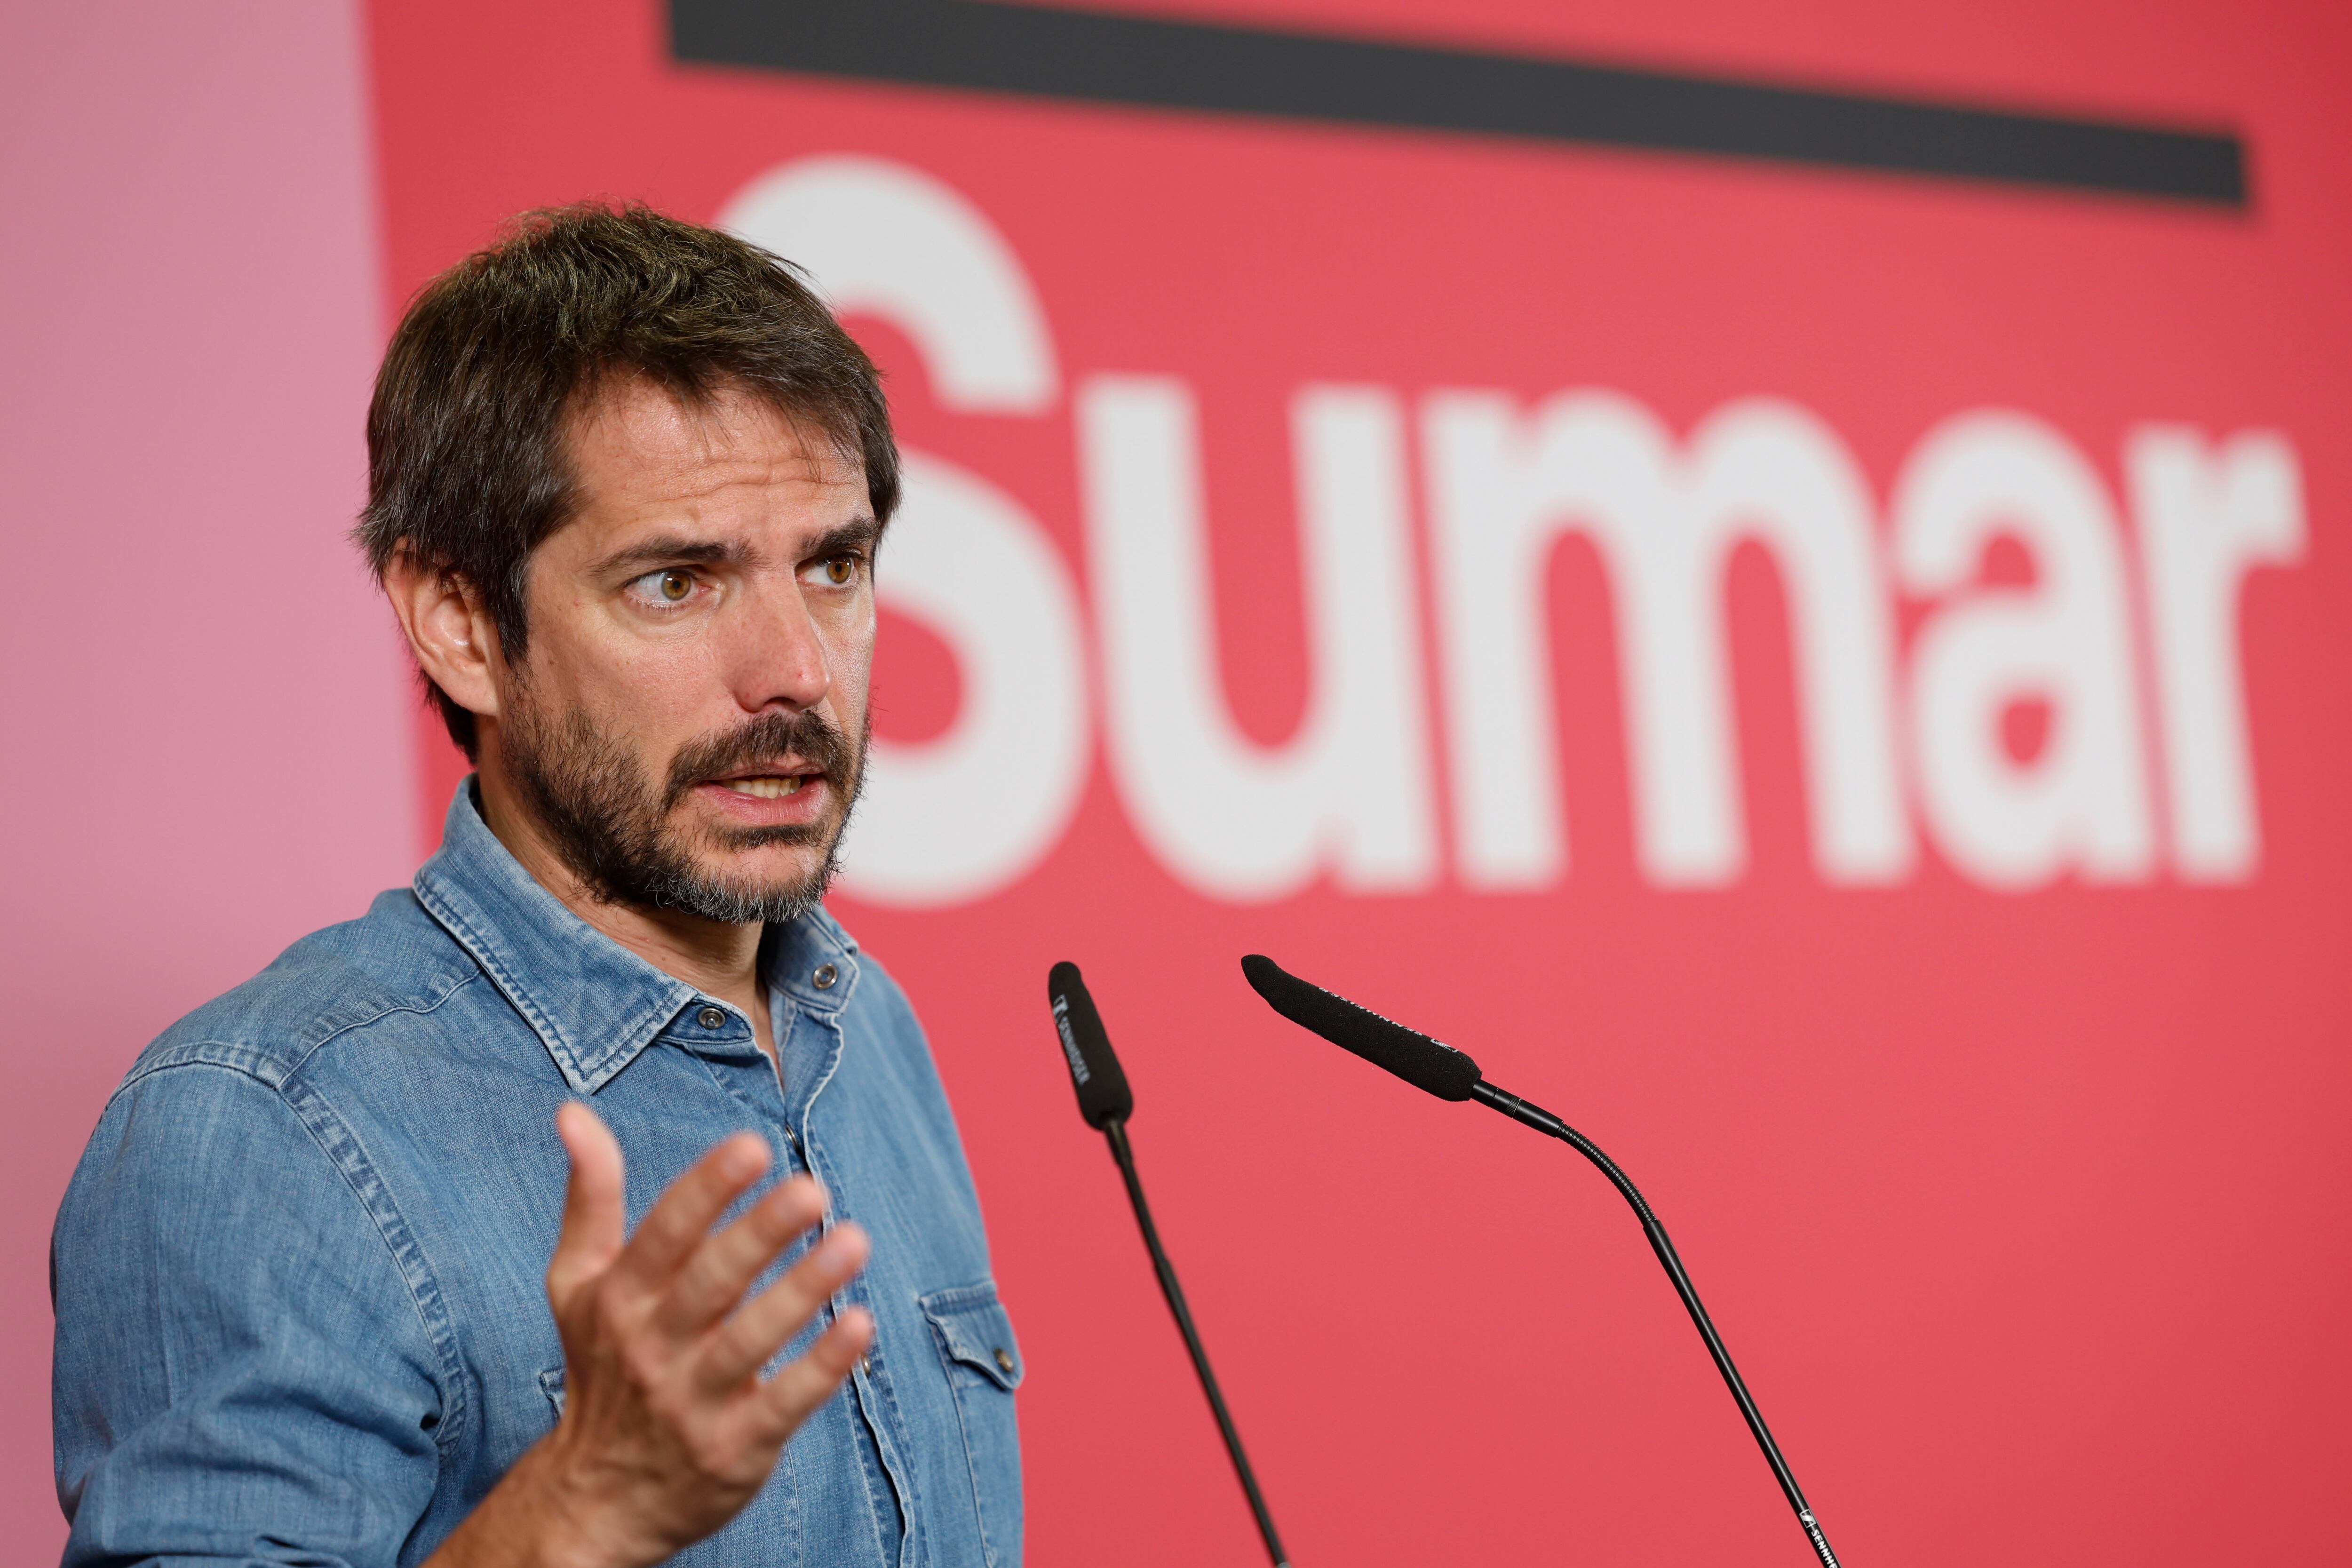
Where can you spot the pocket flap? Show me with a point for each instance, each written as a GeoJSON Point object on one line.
{"type": "Point", "coordinates": [972, 1328]}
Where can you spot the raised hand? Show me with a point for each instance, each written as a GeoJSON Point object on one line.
{"type": "Point", "coordinates": [668, 1429]}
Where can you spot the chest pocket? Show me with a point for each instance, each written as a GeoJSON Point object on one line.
{"type": "Point", "coordinates": [984, 1367]}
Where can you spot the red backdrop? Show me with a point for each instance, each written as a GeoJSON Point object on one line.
{"type": "Point", "coordinates": [2020, 1195]}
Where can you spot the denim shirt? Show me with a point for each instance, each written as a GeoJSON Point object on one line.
{"type": "Point", "coordinates": [298, 1273]}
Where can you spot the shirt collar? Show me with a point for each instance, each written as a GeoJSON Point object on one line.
{"type": "Point", "coordinates": [593, 1002]}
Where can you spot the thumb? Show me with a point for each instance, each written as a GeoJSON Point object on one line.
{"type": "Point", "coordinates": [593, 1208]}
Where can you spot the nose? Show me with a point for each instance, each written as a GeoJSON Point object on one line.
{"type": "Point", "coordinates": [774, 654]}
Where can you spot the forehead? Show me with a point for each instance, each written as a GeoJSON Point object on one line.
{"type": "Point", "coordinates": [636, 446]}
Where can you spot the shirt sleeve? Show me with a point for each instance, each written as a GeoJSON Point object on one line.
{"type": "Point", "coordinates": [243, 1375]}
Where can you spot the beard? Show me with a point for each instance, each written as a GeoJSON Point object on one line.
{"type": "Point", "coordinates": [612, 827]}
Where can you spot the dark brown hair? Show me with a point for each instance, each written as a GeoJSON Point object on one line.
{"type": "Point", "coordinates": [468, 460]}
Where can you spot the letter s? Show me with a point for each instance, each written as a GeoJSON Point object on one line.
{"type": "Point", "coordinates": [955, 819]}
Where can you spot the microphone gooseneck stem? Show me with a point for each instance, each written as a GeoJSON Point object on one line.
{"type": "Point", "coordinates": [1543, 1120]}
{"type": "Point", "coordinates": [1115, 1133]}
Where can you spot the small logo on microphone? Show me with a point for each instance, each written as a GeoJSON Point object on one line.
{"type": "Point", "coordinates": [1069, 1041]}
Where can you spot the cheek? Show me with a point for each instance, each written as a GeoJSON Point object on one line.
{"type": "Point", "coordinates": [849, 659]}
{"type": "Point", "coordinates": [624, 686]}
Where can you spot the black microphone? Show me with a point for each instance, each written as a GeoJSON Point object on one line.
{"type": "Point", "coordinates": [1104, 1098]}
{"type": "Point", "coordinates": [1105, 1102]}
{"type": "Point", "coordinates": [1450, 1074]}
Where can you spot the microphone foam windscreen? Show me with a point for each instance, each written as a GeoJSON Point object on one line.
{"type": "Point", "coordinates": [1103, 1095]}
{"type": "Point", "coordinates": [1410, 1054]}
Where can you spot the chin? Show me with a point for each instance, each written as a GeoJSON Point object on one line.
{"type": "Point", "coordinates": [777, 866]}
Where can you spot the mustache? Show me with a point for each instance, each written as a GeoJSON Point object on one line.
{"type": "Point", "coordinates": [806, 735]}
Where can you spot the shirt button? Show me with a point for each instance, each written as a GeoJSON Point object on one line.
{"type": "Point", "coordinates": [710, 1017]}
{"type": "Point", "coordinates": [1004, 1359]}
{"type": "Point", "coordinates": [865, 1365]}
{"type": "Point", "coordinates": [825, 975]}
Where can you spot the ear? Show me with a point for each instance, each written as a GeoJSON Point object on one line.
{"type": "Point", "coordinates": [448, 629]}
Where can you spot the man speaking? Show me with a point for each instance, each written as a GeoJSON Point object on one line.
{"type": "Point", "coordinates": [328, 1288]}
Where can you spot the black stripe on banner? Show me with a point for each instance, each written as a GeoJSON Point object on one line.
{"type": "Point", "coordinates": [1104, 57]}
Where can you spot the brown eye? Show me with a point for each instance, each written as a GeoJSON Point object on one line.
{"type": "Point", "coordinates": [840, 570]}
{"type": "Point", "coordinates": [676, 585]}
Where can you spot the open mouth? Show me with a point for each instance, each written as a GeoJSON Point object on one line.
{"type": "Point", "coordinates": [772, 780]}
{"type": "Point", "coordinates": [767, 788]}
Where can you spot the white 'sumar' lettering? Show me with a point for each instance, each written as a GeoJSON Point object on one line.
{"type": "Point", "coordinates": [2141, 772]}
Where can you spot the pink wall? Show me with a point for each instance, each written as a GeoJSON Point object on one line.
{"type": "Point", "coordinates": [207, 755]}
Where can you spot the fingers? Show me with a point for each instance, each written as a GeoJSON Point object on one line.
{"type": "Point", "coordinates": [787, 1398]}
{"type": "Point", "coordinates": [593, 1208]}
{"type": "Point", "coordinates": [681, 1218]}
{"type": "Point", "coordinates": [742, 1345]}
{"type": "Point", "coordinates": [723, 1268]}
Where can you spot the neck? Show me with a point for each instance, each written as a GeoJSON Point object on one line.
{"type": "Point", "coordinates": [719, 958]}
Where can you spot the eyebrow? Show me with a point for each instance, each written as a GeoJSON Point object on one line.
{"type": "Point", "coordinates": [857, 533]}
{"type": "Point", "coordinates": [663, 549]}
{"type": "Point", "coordinates": [667, 549]}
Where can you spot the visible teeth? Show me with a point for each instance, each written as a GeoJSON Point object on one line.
{"type": "Point", "coordinates": [765, 789]}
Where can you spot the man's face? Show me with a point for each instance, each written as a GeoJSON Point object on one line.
{"type": "Point", "coordinates": [688, 721]}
